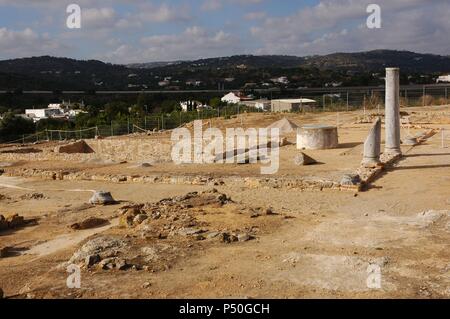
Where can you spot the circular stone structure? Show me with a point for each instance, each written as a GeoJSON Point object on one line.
{"type": "Point", "coordinates": [317, 137]}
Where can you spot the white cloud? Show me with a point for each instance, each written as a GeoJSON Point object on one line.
{"type": "Point", "coordinates": [255, 15]}
{"type": "Point", "coordinates": [98, 18]}
{"type": "Point", "coordinates": [163, 13]}
{"type": "Point", "coordinates": [339, 25]}
{"type": "Point", "coordinates": [211, 5]}
{"type": "Point", "coordinates": [27, 43]}
{"type": "Point", "coordinates": [193, 43]}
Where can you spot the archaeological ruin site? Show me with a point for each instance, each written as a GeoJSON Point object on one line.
{"type": "Point", "coordinates": [359, 207]}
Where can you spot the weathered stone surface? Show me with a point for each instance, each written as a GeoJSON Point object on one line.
{"type": "Point", "coordinates": [392, 113]}
{"type": "Point", "coordinates": [372, 146]}
{"type": "Point", "coordinates": [244, 237]}
{"type": "Point", "coordinates": [303, 159]}
{"type": "Point", "coordinates": [102, 198]}
{"type": "Point", "coordinates": [73, 148]}
{"type": "Point", "coordinates": [317, 137]}
{"type": "Point", "coordinates": [350, 180]}
{"type": "Point", "coordinates": [103, 246]}
{"type": "Point", "coordinates": [113, 263]}
{"type": "Point", "coordinates": [128, 217]}
{"type": "Point", "coordinates": [36, 196]}
{"type": "Point", "coordinates": [228, 238]}
{"type": "Point", "coordinates": [15, 221]}
{"type": "Point", "coordinates": [91, 222]}
{"type": "Point", "coordinates": [3, 223]}
{"type": "Point", "coordinates": [139, 219]}
{"type": "Point", "coordinates": [91, 260]}
{"type": "Point", "coordinates": [410, 140]}
{"type": "Point", "coordinates": [190, 231]}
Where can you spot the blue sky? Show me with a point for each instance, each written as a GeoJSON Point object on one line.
{"type": "Point", "coordinates": [156, 30]}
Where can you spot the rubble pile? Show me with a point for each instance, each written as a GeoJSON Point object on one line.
{"type": "Point", "coordinates": [11, 221]}
{"type": "Point", "coordinates": [152, 236]}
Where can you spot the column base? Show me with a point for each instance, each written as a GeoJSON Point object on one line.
{"type": "Point", "coordinates": [393, 151]}
{"type": "Point", "coordinates": [370, 162]}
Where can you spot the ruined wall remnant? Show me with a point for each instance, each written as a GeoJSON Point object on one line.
{"type": "Point", "coordinates": [77, 147]}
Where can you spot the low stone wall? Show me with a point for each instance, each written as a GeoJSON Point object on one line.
{"type": "Point", "coordinates": [132, 149]}
{"type": "Point", "coordinates": [303, 184]}
{"type": "Point", "coordinates": [114, 149]}
{"type": "Point", "coordinates": [368, 175]}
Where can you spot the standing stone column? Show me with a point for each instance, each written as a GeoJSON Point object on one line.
{"type": "Point", "coordinates": [372, 146]}
{"type": "Point", "coordinates": [392, 114]}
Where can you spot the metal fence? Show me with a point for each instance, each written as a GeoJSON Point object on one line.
{"type": "Point", "coordinates": [336, 99]}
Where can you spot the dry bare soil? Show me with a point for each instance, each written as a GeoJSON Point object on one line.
{"type": "Point", "coordinates": [200, 240]}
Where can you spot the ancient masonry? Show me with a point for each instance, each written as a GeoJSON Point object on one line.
{"type": "Point", "coordinates": [372, 146]}
{"type": "Point", "coordinates": [392, 116]}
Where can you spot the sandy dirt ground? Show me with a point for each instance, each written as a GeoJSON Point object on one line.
{"type": "Point", "coordinates": [308, 244]}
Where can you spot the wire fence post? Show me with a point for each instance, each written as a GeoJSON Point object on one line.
{"type": "Point", "coordinates": [347, 101]}
{"type": "Point", "coordinates": [423, 96]}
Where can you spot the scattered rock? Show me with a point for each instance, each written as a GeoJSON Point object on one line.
{"type": "Point", "coordinates": [302, 159]}
{"type": "Point", "coordinates": [212, 235]}
{"type": "Point", "coordinates": [3, 223]}
{"type": "Point", "coordinates": [102, 198]}
{"type": "Point", "coordinates": [3, 197]}
{"type": "Point", "coordinates": [91, 260]}
{"type": "Point", "coordinates": [190, 231]}
{"type": "Point", "coordinates": [350, 180]}
{"type": "Point", "coordinates": [113, 263]}
{"type": "Point", "coordinates": [103, 246]}
{"type": "Point", "coordinates": [146, 285]}
{"type": "Point", "coordinates": [244, 237]}
{"type": "Point", "coordinates": [228, 238]}
{"type": "Point", "coordinates": [150, 254]}
{"type": "Point", "coordinates": [31, 196]}
{"type": "Point", "coordinates": [91, 222]}
{"type": "Point", "coordinates": [129, 216]}
{"type": "Point", "coordinates": [4, 252]}
{"type": "Point", "coordinates": [140, 218]}
{"type": "Point", "coordinates": [15, 221]}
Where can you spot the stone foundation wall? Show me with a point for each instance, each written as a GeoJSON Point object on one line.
{"type": "Point", "coordinates": [132, 149]}
{"type": "Point", "coordinates": [115, 149]}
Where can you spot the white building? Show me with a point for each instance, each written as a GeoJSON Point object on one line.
{"type": "Point", "coordinates": [231, 98]}
{"type": "Point", "coordinates": [39, 114]}
{"type": "Point", "coordinates": [56, 110]}
{"type": "Point", "coordinates": [261, 104]}
{"type": "Point", "coordinates": [443, 78]}
{"type": "Point", "coordinates": [280, 80]}
{"type": "Point", "coordinates": [195, 105]}
{"type": "Point", "coordinates": [288, 105]}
